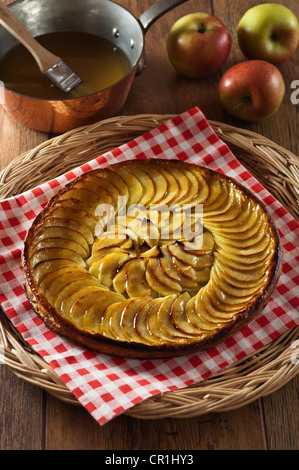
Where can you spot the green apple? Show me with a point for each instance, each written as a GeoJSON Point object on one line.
{"type": "Point", "coordinates": [252, 90]}
{"type": "Point", "coordinates": [198, 44]}
{"type": "Point", "coordinates": [268, 32]}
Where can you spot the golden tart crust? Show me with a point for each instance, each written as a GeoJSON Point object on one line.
{"type": "Point", "coordinates": [136, 284]}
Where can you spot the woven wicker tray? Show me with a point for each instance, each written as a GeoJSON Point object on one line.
{"type": "Point", "coordinates": [260, 373]}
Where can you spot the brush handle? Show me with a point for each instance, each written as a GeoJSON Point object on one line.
{"type": "Point", "coordinates": [43, 57]}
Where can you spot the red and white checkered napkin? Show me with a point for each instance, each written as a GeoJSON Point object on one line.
{"type": "Point", "coordinates": [107, 386]}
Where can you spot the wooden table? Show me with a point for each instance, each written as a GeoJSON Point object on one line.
{"type": "Point", "coordinates": [30, 419]}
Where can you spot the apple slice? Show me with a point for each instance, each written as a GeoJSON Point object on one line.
{"type": "Point", "coordinates": [172, 225]}
{"type": "Point", "coordinates": [177, 251]}
{"type": "Point", "coordinates": [231, 294]}
{"type": "Point", "coordinates": [109, 186]}
{"type": "Point", "coordinates": [124, 244]}
{"type": "Point", "coordinates": [66, 278]}
{"type": "Point", "coordinates": [210, 312]}
{"type": "Point", "coordinates": [256, 250]}
{"type": "Point", "coordinates": [246, 262]}
{"type": "Point", "coordinates": [171, 269]}
{"type": "Point", "coordinates": [234, 226]}
{"type": "Point", "coordinates": [134, 186]}
{"type": "Point", "coordinates": [164, 321]}
{"type": "Point", "coordinates": [249, 241]}
{"type": "Point", "coordinates": [156, 319]}
{"type": "Point", "coordinates": [127, 328]}
{"type": "Point", "coordinates": [195, 317]}
{"type": "Point", "coordinates": [120, 279]}
{"type": "Point", "coordinates": [85, 196]}
{"type": "Point", "coordinates": [115, 178]}
{"type": "Point", "coordinates": [219, 191]}
{"type": "Point", "coordinates": [114, 232]}
{"type": "Point", "coordinates": [97, 255]}
{"type": "Point", "coordinates": [105, 268]}
{"type": "Point", "coordinates": [141, 324]}
{"type": "Point", "coordinates": [71, 224]}
{"type": "Point", "coordinates": [215, 311]}
{"type": "Point", "coordinates": [203, 244]}
{"type": "Point", "coordinates": [77, 204]}
{"type": "Point", "coordinates": [193, 190]}
{"type": "Point", "coordinates": [82, 304]}
{"type": "Point", "coordinates": [252, 258]}
{"type": "Point", "coordinates": [244, 274]}
{"type": "Point", "coordinates": [69, 302]}
{"type": "Point", "coordinates": [44, 254]}
{"type": "Point", "coordinates": [250, 218]}
{"type": "Point", "coordinates": [41, 269]}
{"type": "Point", "coordinates": [59, 242]}
{"type": "Point", "coordinates": [187, 282]}
{"type": "Point", "coordinates": [55, 275]}
{"type": "Point", "coordinates": [147, 184]}
{"type": "Point", "coordinates": [104, 325]}
{"type": "Point", "coordinates": [160, 184]}
{"type": "Point", "coordinates": [247, 234]}
{"type": "Point", "coordinates": [93, 317]}
{"type": "Point", "coordinates": [99, 191]}
{"type": "Point", "coordinates": [81, 216]}
{"type": "Point", "coordinates": [179, 319]}
{"type": "Point", "coordinates": [243, 232]}
{"type": "Point", "coordinates": [121, 230]}
{"type": "Point", "coordinates": [137, 225]}
{"type": "Point", "coordinates": [233, 278]}
{"type": "Point", "coordinates": [172, 188]}
{"type": "Point", "coordinates": [136, 283]}
{"type": "Point", "coordinates": [203, 191]}
{"type": "Point", "coordinates": [200, 276]}
{"type": "Point", "coordinates": [182, 181]}
{"type": "Point", "coordinates": [158, 282]}
{"type": "Point", "coordinates": [221, 306]}
{"type": "Point", "coordinates": [151, 231]}
{"type": "Point", "coordinates": [62, 291]}
{"type": "Point", "coordinates": [229, 214]}
{"type": "Point", "coordinates": [154, 252]}
{"type": "Point", "coordinates": [114, 316]}
{"type": "Point", "coordinates": [221, 206]}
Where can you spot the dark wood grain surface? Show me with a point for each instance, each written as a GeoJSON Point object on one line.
{"type": "Point", "coordinates": [30, 419]}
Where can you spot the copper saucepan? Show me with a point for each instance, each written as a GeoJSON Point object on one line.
{"type": "Point", "coordinates": [104, 18]}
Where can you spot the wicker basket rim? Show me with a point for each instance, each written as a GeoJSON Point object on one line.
{"type": "Point", "coordinates": [257, 375]}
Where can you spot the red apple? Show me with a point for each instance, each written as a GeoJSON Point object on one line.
{"type": "Point", "coordinates": [252, 90]}
{"type": "Point", "coordinates": [269, 32]}
{"type": "Point", "coordinates": [198, 44]}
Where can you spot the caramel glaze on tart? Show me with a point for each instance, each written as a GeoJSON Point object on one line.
{"type": "Point", "coordinates": [124, 290]}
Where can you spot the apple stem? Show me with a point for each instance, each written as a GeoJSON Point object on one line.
{"type": "Point", "coordinates": [202, 28]}
{"type": "Point", "coordinates": [245, 100]}
{"type": "Point", "coordinates": [274, 37]}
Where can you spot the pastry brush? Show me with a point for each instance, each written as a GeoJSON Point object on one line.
{"type": "Point", "coordinates": [52, 66]}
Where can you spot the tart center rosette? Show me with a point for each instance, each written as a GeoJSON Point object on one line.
{"type": "Point", "coordinates": [151, 254]}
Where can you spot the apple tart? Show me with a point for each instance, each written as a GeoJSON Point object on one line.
{"type": "Point", "coordinates": [151, 259]}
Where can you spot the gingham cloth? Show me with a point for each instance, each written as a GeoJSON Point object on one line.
{"type": "Point", "coordinates": [107, 386]}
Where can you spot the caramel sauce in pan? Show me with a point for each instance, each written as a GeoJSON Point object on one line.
{"type": "Point", "coordinates": [99, 63]}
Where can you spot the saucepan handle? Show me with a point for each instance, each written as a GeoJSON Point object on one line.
{"type": "Point", "coordinates": [157, 10]}
{"type": "Point", "coordinates": [151, 15]}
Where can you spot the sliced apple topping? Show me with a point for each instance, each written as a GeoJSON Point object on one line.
{"type": "Point", "coordinates": [134, 186]}
{"type": "Point", "coordinates": [70, 210]}
{"type": "Point", "coordinates": [182, 255]}
{"type": "Point", "coordinates": [93, 315]}
{"type": "Point", "coordinates": [72, 224]}
{"type": "Point", "coordinates": [49, 253]}
{"type": "Point", "coordinates": [160, 184]}
{"type": "Point", "coordinates": [148, 188]}
{"type": "Point", "coordinates": [105, 268]}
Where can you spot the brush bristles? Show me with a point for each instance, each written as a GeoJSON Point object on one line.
{"type": "Point", "coordinates": [82, 89]}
